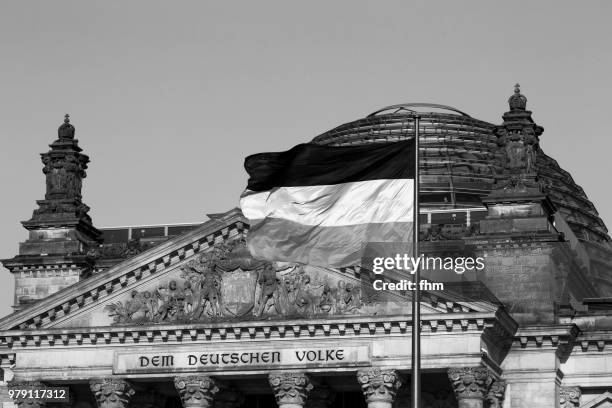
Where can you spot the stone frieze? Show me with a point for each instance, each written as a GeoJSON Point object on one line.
{"type": "Point", "coordinates": [228, 283]}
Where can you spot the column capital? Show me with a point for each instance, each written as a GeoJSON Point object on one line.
{"type": "Point", "coordinates": [290, 388]}
{"type": "Point", "coordinates": [25, 402]}
{"type": "Point", "coordinates": [495, 395]}
{"type": "Point", "coordinates": [379, 385]}
{"type": "Point", "coordinates": [471, 385]}
{"type": "Point", "coordinates": [470, 382]}
{"type": "Point", "coordinates": [196, 391]}
{"type": "Point", "coordinates": [569, 397]}
{"type": "Point", "coordinates": [112, 392]}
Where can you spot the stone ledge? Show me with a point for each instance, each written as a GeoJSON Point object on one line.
{"type": "Point", "coordinates": [180, 333]}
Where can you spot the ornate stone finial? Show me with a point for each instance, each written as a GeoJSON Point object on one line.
{"type": "Point", "coordinates": [196, 390]}
{"type": "Point", "coordinates": [569, 397]}
{"type": "Point", "coordinates": [518, 141]}
{"type": "Point", "coordinates": [495, 396]}
{"type": "Point", "coordinates": [470, 383]}
{"type": "Point", "coordinates": [66, 130]}
{"type": "Point", "coordinates": [379, 385]}
{"type": "Point", "coordinates": [112, 392]}
{"type": "Point", "coordinates": [290, 388]}
{"type": "Point", "coordinates": [517, 101]}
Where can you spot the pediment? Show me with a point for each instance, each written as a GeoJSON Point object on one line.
{"type": "Point", "coordinates": [208, 275]}
{"type": "Point", "coordinates": [602, 401]}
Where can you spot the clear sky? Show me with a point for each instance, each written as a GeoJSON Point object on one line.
{"type": "Point", "coordinates": [168, 97]}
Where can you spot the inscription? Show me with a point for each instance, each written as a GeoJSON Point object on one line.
{"type": "Point", "coordinates": [320, 355]}
{"type": "Point", "coordinates": [240, 360]}
{"type": "Point", "coordinates": [156, 361]}
{"type": "Point", "coordinates": [234, 358]}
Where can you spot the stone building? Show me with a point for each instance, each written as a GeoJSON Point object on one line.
{"type": "Point", "coordinates": [164, 316]}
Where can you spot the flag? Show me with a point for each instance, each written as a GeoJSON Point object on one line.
{"type": "Point", "coordinates": [321, 205]}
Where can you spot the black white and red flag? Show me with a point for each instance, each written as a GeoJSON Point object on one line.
{"type": "Point", "coordinates": [322, 205]}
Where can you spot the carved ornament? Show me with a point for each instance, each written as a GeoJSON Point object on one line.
{"type": "Point", "coordinates": [379, 385]}
{"type": "Point", "coordinates": [471, 382]}
{"type": "Point", "coordinates": [26, 402]}
{"type": "Point", "coordinates": [112, 392]}
{"type": "Point", "coordinates": [495, 395]}
{"type": "Point", "coordinates": [196, 390]}
{"type": "Point", "coordinates": [290, 387]}
{"type": "Point", "coordinates": [569, 397]}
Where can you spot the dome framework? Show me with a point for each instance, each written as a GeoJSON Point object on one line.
{"type": "Point", "coordinates": [459, 161]}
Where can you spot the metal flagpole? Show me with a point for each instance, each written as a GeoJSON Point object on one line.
{"type": "Point", "coordinates": [416, 293]}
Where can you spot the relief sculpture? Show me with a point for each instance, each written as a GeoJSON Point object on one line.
{"type": "Point", "coordinates": [227, 283]}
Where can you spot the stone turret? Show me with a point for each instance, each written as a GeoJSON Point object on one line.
{"type": "Point", "coordinates": [61, 232]}
{"type": "Point", "coordinates": [517, 203]}
{"type": "Point", "coordinates": [529, 267]}
{"type": "Point", "coordinates": [519, 143]}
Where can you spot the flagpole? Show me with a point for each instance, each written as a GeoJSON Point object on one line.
{"type": "Point", "coordinates": [416, 294]}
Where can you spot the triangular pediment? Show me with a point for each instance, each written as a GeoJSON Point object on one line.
{"type": "Point", "coordinates": [602, 401]}
{"type": "Point", "coordinates": [207, 275]}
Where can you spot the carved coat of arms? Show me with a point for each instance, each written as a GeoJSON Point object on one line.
{"type": "Point", "coordinates": [238, 291]}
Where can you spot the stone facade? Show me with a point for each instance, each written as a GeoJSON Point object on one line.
{"type": "Point", "coordinates": [197, 322]}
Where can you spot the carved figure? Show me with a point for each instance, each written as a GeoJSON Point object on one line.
{"type": "Point", "coordinates": [137, 306]}
{"type": "Point", "coordinates": [348, 297]}
{"type": "Point", "coordinates": [326, 302]}
{"type": "Point", "coordinates": [269, 285]}
{"type": "Point", "coordinates": [169, 301]}
{"type": "Point", "coordinates": [188, 294]}
{"type": "Point", "coordinates": [151, 304]}
{"type": "Point", "coordinates": [284, 295]}
{"type": "Point", "coordinates": [209, 297]}
{"type": "Point", "coordinates": [515, 155]}
{"type": "Point", "coordinates": [303, 303]}
{"type": "Point", "coordinates": [352, 298]}
{"type": "Point", "coordinates": [530, 159]}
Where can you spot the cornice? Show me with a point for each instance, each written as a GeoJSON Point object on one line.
{"type": "Point", "coordinates": [342, 326]}
{"type": "Point", "coordinates": [597, 341]}
{"type": "Point", "coordinates": [546, 335]}
{"type": "Point", "coordinates": [559, 337]}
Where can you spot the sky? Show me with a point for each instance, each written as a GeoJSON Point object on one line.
{"type": "Point", "coordinates": [169, 97]}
